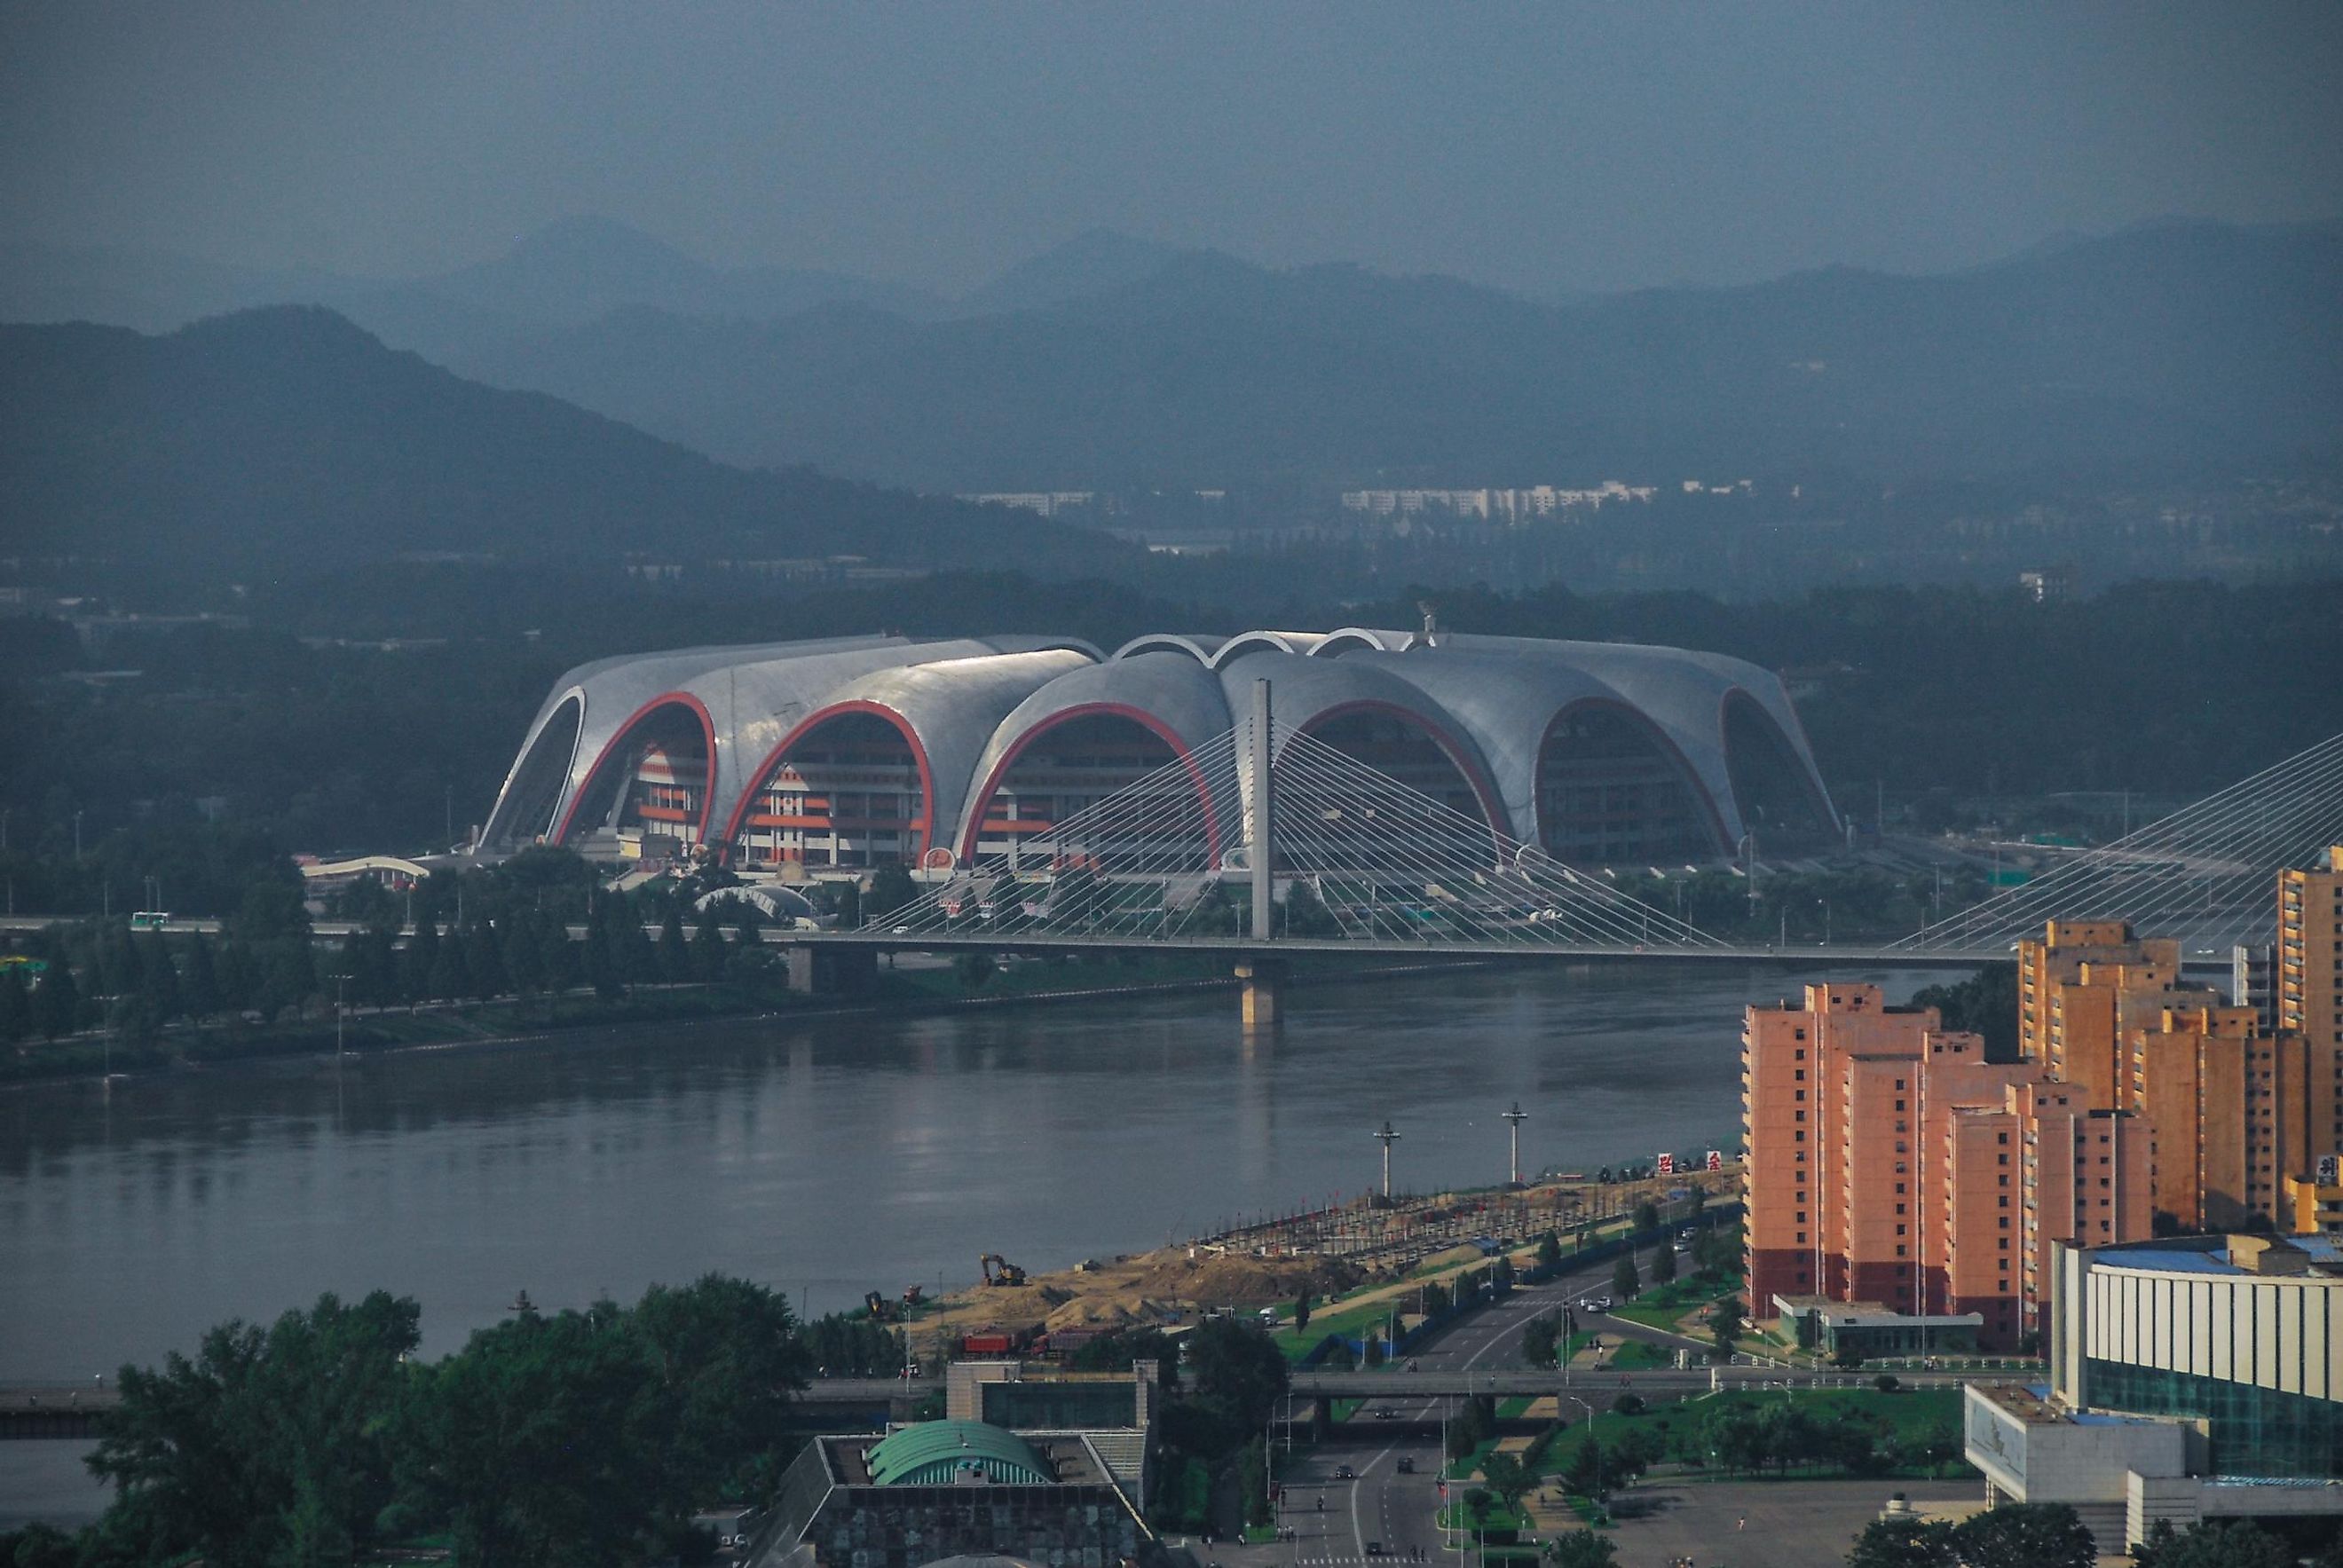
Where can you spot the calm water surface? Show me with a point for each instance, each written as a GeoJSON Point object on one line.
{"type": "Point", "coordinates": [821, 1157]}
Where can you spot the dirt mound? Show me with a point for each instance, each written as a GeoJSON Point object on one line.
{"type": "Point", "coordinates": [1109, 1312]}
{"type": "Point", "coordinates": [1240, 1279]}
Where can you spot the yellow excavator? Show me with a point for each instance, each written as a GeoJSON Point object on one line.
{"type": "Point", "coordinates": [1000, 1270]}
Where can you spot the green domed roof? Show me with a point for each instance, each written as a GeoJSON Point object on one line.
{"type": "Point", "coordinates": [932, 1453]}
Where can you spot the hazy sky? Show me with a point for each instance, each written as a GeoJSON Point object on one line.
{"type": "Point", "coordinates": [1546, 147]}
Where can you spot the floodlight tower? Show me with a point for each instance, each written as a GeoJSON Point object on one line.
{"type": "Point", "coordinates": [1516, 1116]}
{"type": "Point", "coordinates": [1386, 1137]}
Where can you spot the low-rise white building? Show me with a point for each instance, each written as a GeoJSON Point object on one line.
{"type": "Point", "coordinates": [2191, 1379]}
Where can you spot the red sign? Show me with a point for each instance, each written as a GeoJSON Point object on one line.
{"type": "Point", "coordinates": [1667, 1165]}
{"type": "Point", "coordinates": [1716, 1160]}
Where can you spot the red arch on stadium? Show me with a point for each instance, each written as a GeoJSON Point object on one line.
{"type": "Point", "coordinates": [1643, 721]}
{"type": "Point", "coordinates": [1494, 816]}
{"type": "Point", "coordinates": [625, 732]}
{"type": "Point", "coordinates": [806, 726]}
{"type": "Point", "coordinates": [982, 800]}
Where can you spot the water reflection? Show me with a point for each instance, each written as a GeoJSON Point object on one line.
{"type": "Point", "coordinates": [825, 1157]}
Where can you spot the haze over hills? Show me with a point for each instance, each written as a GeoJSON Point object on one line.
{"type": "Point", "coordinates": [1114, 362]}
{"type": "Point", "coordinates": [2196, 344]}
{"type": "Point", "coordinates": [564, 274]}
{"type": "Point", "coordinates": [285, 441]}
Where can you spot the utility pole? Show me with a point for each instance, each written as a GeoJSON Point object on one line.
{"type": "Point", "coordinates": [1516, 1116]}
{"type": "Point", "coordinates": [1261, 842]}
{"type": "Point", "coordinates": [1385, 1136]}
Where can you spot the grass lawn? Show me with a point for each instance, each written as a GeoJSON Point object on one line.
{"type": "Point", "coordinates": [1635, 1356]}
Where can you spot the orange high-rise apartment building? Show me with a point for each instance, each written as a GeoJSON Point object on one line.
{"type": "Point", "coordinates": [2081, 988]}
{"type": "Point", "coordinates": [2239, 1110]}
{"type": "Point", "coordinates": [2310, 984]}
{"type": "Point", "coordinates": [1888, 1162]}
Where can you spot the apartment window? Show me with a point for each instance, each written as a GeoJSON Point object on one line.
{"type": "Point", "coordinates": [1802, 1137]}
{"type": "Point", "coordinates": [2001, 1137]}
{"type": "Point", "coordinates": [1802, 1236]}
{"type": "Point", "coordinates": [1900, 1229]}
{"type": "Point", "coordinates": [1899, 1208]}
{"type": "Point", "coordinates": [1801, 1094]}
{"type": "Point", "coordinates": [2002, 1203]}
{"type": "Point", "coordinates": [1802, 1216]}
{"type": "Point", "coordinates": [1901, 1249]}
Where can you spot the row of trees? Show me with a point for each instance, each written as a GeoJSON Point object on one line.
{"type": "Point", "coordinates": [94, 976]}
{"type": "Point", "coordinates": [584, 1436]}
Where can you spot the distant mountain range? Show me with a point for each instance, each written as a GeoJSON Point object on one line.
{"type": "Point", "coordinates": [565, 275]}
{"type": "Point", "coordinates": [2194, 343]}
{"type": "Point", "coordinates": [1110, 362]}
{"type": "Point", "coordinates": [284, 441]}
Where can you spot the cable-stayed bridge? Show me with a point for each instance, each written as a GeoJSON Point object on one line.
{"type": "Point", "coordinates": [1268, 840]}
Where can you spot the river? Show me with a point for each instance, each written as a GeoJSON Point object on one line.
{"type": "Point", "coordinates": [823, 1157]}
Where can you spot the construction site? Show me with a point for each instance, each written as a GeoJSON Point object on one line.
{"type": "Point", "coordinates": [1367, 1250]}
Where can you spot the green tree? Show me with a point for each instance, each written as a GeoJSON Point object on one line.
{"type": "Point", "coordinates": [974, 971]}
{"type": "Point", "coordinates": [1904, 1544]}
{"type": "Point", "coordinates": [1237, 1371]}
{"type": "Point", "coordinates": [451, 974]}
{"type": "Point", "coordinates": [2212, 1544]}
{"type": "Point", "coordinates": [891, 887]}
{"type": "Point", "coordinates": [1725, 1326]}
{"type": "Point", "coordinates": [725, 1356]}
{"type": "Point", "coordinates": [56, 1002]}
{"type": "Point", "coordinates": [203, 998]}
{"type": "Point", "coordinates": [1582, 1549]}
{"type": "Point", "coordinates": [1540, 1340]}
{"type": "Point", "coordinates": [2025, 1536]}
{"type": "Point", "coordinates": [158, 980]}
{"type": "Point", "coordinates": [1301, 1311]}
{"type": "Point", "coordinates": [270, 1446]}
{"type": "Point", "coordinates": [711, 952]}
{"type": "Point", "coordinates": [1647, 1215]}
{"type": "Point", "coordinates": [674, 956]}
{"type": "Point", "coordinates": [534, 1444]}
{"type": "Point", "coordinates": [1509, 1478]}
{"type": "Point", "coordinates": [1625, 1279]}
{"type": "Point", "coordinates": [1252, 1483]}
{"type": "Point", "coordinates": [846, 904]}
{"type": "Point", "coordinates": [1663, 1264]}
{"type": "Point", "coordinates": [1549, 1251]}
{"type": "Point", "coordinates": [1587, 1472]}
{"type": "Point", "coordinates": [15, 1005]}
{"type": "Point", "coordinates": [484, 958]}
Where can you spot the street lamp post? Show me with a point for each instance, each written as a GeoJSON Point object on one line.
{"type": "Point", "coordinates": [1515, 1117]}
{"type": "Point", "coordinates": [1387, 1138]}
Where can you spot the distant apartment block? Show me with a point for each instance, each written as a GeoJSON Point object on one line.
{"type": "Point", "coordinates": [1511, 506]}
{"type": "Point", "coordinates": [1048, 503]}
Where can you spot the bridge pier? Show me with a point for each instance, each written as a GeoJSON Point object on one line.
{"type": "Point", "coordinates": [833, 971]}
{"type": "Point", "coordinates": [1263, 982]}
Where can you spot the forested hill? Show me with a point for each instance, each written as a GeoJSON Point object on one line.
{"type": "Point", "coordinates": [2182, 343]}
{"type": "Point", "coordinates": [285, 441]}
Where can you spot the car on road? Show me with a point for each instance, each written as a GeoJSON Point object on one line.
{"type": "Point", "coordinates": [1345, 1472]}
{"type": "Point", "coordinates": [1385, 1412]}
{"type": "Point", "coordinates": [1374, 1548]}
{"type": "Point", "coordinates": [1406, 1464]}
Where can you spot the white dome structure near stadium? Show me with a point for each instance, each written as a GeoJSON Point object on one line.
{"type": "Point", "coordinates": [822, 758]}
